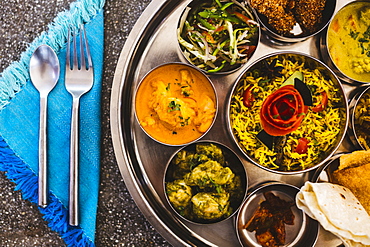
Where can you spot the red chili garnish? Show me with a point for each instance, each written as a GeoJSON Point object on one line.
{"type": "Point", "coordinates": [323, 104]}
{"type": "Point", "coordinates": [248, 97]}
{"type": "Point", "coordinates": [208, 37]}
{"type": "Point", "coordinates": [220, 28]}
{"type": "Point", "coordinates": [283, 111]}
{"type": "Point", "coordinates": [242, 17]}
{"type": "Point", "coordinates": [302, 145]}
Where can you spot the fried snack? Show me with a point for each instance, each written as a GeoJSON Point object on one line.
{"type": "Point", "coordinates": [354, 159]}
{"type": "Point", "coordinates": [277, 13]}
{"type": "Point", "coordinates": [357, 179]}
{"type": "Point", "coordinates": [283, 15]}
{"type": "Point", "coordinates": [309, 13]}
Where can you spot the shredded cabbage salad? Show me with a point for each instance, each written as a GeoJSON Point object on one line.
{"type": "Point", "coordinates": [216, 35]}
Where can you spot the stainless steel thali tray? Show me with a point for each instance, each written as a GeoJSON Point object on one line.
{"type": "Point", "coordinates": [142, 161]}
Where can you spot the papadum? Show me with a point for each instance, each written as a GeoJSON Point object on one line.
{"type": "Point", "coordinates": [354, 159]}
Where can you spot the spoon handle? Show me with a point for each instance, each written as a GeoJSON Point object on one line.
{"type": "Point", "coordinates": [73, 165]}
{"type": "Point", "coordinates": [42, 180]}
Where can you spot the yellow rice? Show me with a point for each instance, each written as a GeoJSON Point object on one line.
{"type": "Point", "coordinates": [321, 129]}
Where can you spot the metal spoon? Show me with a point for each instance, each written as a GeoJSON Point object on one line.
{"type": "Point", "coordinates": [44, 72]}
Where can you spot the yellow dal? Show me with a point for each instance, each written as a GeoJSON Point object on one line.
{"type": "Point", "coordinates": [345, 51]}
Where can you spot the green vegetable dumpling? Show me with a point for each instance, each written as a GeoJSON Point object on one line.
{"type": "Point", "coordinates": [210, 206]}
{"type": "Point", "coordinates": [185, 161]}
{"type": "Point", "coordinates": [209, 174]}
{"type": "Point", "coordinates": [179, 194]}
{"type": "Point", "coordinates": [211, 151]}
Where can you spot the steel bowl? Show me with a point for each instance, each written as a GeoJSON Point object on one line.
{"type": "Point", "coordinates": [250, 137]}
{"type": "Point", "coordinates": [325, 173]}
{"type": "Point", "coordinates": [173, 173]}
{"type": "Point", "coordinates": [304, 231]}
{"type": "Point", "coordinates": [192, 58]}
{"type": "Point", "coordinates": [296, 36]}
{"type": "Point", "coordinates": [328, 48]}
{"type": "Point", "coordinates": [358, 131]}
{"type": "Point", "coordinates": [181, 138]}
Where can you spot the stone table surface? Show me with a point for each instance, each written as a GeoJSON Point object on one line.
{"type": "Point", "coordinates": [119, 221]}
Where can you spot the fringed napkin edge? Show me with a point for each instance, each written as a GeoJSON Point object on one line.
{"type": "Point", "coordinates": [12, 79]}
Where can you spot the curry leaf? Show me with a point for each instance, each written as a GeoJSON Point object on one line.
{"type": "Point", "coordinates": [354, 34]}
{"type": "Point", "coordinates": [173, 106]}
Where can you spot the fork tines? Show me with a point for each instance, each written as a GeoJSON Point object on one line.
{"type": "Point", "coordinates": [83, 53]}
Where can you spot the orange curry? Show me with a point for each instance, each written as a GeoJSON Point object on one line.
{"type": "Point", "coordinates": [175, 104]}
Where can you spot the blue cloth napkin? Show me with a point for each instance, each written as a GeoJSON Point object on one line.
{"type": "Point", "coordinates": [19, 126]}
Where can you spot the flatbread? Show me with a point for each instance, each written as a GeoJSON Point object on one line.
{"type": "Point", "coordinates": [357, 179]}
{"type": "Point", "coordinates": [354, 159]}
{"type": "Point", "coordinates": [337, 210]}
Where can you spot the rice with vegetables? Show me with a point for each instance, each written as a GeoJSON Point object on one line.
{"type": "Point", "coordinates": [362, 120]}
{"type": "Point", "coordinates": [322, 124]}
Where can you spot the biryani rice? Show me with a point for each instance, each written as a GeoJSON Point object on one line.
{"type": "Point", "coordinates": [320, 128]}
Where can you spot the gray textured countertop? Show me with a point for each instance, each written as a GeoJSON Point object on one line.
{"type": "Point", "coordinates": [119, 221]}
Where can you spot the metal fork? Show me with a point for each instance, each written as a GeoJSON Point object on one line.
{"type": "Point", "coordinates": [78, 80]}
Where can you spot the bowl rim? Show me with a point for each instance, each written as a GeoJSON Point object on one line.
{"type": "Point", "coordinates": [184, 58]}
{"type": "Point", "coordinates": [330, 165]}
{"type": "Point", "coordinates": [191, 67]}
{"type": "Point", "coordinates": [243, 170]}
{"type": "Point", "coordinates": [295, 53]}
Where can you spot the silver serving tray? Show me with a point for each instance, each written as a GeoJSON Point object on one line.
{"type": "Point", "coordinates": [142, 161]}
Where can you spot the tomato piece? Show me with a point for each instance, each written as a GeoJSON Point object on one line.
{"type": "Point", "coordinates": [283, 111]}
{"type": "Point", "coordinates": [335, 25]}
{"type": "Point", "coordinates": [248, 97]}
{"type": "Point", "coordinates": [323, 104]}
{"type": "Point", "coordinates": [302, 146]}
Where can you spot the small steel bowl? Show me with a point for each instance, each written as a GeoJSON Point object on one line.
{"type": "Point", "coordinates": [304, 231]}
{"type": "Point", "coordinates": [236, 110]}
{"type": "Point", "coordinates": [232, 161]}
{"type": "Point", "coordinates": [276, 37]}
{"type": "Point", "coordinates": [142, 98]}
{"type": "Point", "coordinates": [357, 131]}
{"type": "Point", "coordinates": [191, 58]}
{"type": "Point", "coordinates": [325, 173]}
{"type": "Point", "coordinates": [328, 48]}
